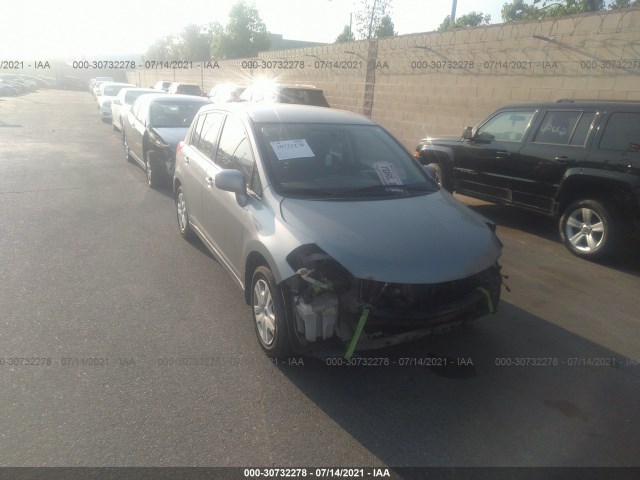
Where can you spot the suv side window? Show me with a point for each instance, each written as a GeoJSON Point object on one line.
{"type": "Point", "coordinates": [508, 126]}
{"type": "Point", "coordinates": [564, 128]}
{"type": "Point", "coordinates": [234, 149]}
{"type": "Point", "coordinates": [622, 133]}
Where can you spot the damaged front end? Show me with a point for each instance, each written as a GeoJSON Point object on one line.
{"type": "Point", "coordinates": [333, 310]}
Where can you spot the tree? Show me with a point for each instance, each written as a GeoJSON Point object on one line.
{"type": "Point", "coordinates": [370, 15]}
{"type": "Point", "coordinates": [472, 19]}
{"type": "Point", "coordinates": [345, 36]}
{"type": "Point", "coordinates": [624, 4]}
{"type": "Point", "coordinates": [385, 28]}
{"type": "Point", "coordinates": [195, 42]}
{"type": "Point", "coordinates": [244, 36]}
{"type": "Point", "coordinates": [521, 10]}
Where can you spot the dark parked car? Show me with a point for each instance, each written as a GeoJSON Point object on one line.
{"type": "Point", "coordinates": [339, 239]}
{"type": "Point", "coordinates": [270, 92]}
{"type": "Point", "coordinates": [578, 161]}
{"type": "Point", "coordinates": [152, 129]}
{"type": "Point", "coordinates": [162, 85]}
{"type": "Point", "coordinates": [185, 89]}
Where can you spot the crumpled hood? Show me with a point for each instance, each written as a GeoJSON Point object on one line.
{"type": "Point", "coordinates": [424, 239]}
{"type": "Point", "coordinates": [172, 136]}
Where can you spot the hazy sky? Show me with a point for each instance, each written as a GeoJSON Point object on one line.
{"type": "Point", "coordinates": [40, 29]}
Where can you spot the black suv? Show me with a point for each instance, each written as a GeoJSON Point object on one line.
{"type": "Point", "coordinates": [575, 160]}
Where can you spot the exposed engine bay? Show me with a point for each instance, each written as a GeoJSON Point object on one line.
{"type": "Point", "coordinates": [329, 303]}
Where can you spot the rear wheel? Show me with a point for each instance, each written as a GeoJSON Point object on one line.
{"type": "Point", "coordinates": [125, 144]}
{"type": "Point", "coordinates": [269, 314]}
{"type": "Point", "coordinates": [154, 174]}
{"type": "Point", "coordinates": [588, 228]}
{"type": "Point", "coordinates": [183, 215]}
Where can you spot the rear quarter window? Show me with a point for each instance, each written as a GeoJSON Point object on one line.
{"type": "Point", "coordinates": [622, 133]}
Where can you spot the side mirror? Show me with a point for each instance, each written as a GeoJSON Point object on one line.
{"type": "Point", "coordinates": [231, 180]}
{"type": "Point", "coordinates": [467, 133]}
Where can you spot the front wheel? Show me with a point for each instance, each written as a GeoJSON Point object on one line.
{"type": "Point", "coordinates": [153, 170]}
{"type": "Point", "coordinates": [588, 228]}
{"type": "Point", "coordinates": [269, 314]}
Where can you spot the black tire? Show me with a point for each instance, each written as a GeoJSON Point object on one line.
{"type": "Point", "coordinates": [269, 314]}
{"type": "Point", "coordinates": [438, 173]}
{"type": "Point", "coordinates": [155, 177]}
{"type": "Point", "coordinates": [125, 144]}
{"type": "Point", "coordinates": [182, 212]}
{"type": "Point", "coordinates": [442, 178]}
{"type": "Point", "coordinates": [589, 228]}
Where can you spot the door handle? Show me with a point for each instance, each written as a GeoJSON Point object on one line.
{"type": "Point", "coordinates": [502, 154]}
{"type": "Point", "coordinates": [209, 181]}
{"type": "Point", "coordinates": [562, 159]}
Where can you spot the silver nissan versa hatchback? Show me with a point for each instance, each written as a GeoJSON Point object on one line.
{"type": "Point", "coordinates": [338, 237]}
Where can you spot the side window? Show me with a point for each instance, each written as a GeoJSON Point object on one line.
{"type": "Point", "coordinates": [195, 134]}
{"type": "Point", "coordinates": [582, 129]}
{"type": "Point", "coordinates": [557, 127]}
{"type": "Point", "coordinates": [506, 126]}
{"type": "Point", "coordinates": [622, 133]}
{"type": "Point", "coordinates": [234, 149]}
{"type": "Point", "coordinates": [209, 134]}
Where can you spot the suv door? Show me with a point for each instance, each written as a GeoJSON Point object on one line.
{"type": "Point", "coordinates": [482, 165]}
{"type": "Point", "coordinates": [559, 142]}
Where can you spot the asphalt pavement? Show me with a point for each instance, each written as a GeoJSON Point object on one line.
{"type": "Point", "coordinates": [121, 344]}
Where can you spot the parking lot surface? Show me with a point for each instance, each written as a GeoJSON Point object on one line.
{"type": "Point", "coordinates": [123, 345]}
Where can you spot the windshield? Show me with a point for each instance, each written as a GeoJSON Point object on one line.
{"type": "Point", "coordinates": [112, 90]}
{"type": "Point", "coordinates": [339, 161]}
{"type": "Point", "coordinates": [172, 114]}
{"type": "Point", "coordinates": [131, 96]}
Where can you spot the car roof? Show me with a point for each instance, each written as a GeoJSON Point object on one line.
{"type": "Point", "coordinates": [573, 104]}
{"type": "Point", "coordinates": [152, 97]}
{"type": "Point", "coordinates": [287, 113]}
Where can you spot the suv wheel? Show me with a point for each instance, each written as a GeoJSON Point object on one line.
{"type": "Point", "coordinates": [183, 215]}
{"type": "Point", "coordinates": [438, 174]}
{"type": "Point", "coordinates": [587, 228]}
{"type": "Point", "coordinates": [269, 314]}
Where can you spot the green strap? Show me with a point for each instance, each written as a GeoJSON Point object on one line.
{"type": "Point", "coordinates": [358, 332]}
{"type": "Point", "coordinates": [489, 301]}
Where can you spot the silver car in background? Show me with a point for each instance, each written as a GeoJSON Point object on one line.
{"type": "Point", "coordinates": [338, 237]}
{"type": "Point", "coordinates": [121, 105]}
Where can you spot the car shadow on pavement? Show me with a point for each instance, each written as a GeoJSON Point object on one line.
{"type": "Point", "coordinates": [511, 390]}
{"type": "Point", "coordinates": [626, 259]}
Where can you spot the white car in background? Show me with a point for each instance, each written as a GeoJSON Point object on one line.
{"type": "Point", "coordinates": [106, 95]}
{"type": "Point", "coordinates": [121, 105]}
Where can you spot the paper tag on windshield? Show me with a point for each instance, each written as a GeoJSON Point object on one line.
{"type": "Point", "coordinates": [292, 149]}
{"type": "Point", "coordinates": [387, 173]}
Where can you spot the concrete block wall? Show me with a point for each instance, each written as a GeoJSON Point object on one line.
{"type": "Point", "coordinates": [439, 82]}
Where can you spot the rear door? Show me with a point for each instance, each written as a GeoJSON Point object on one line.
{"type": "Point", "coordinates": [196, 157]}
{"type": "Point", "coordinates": [559, 142]}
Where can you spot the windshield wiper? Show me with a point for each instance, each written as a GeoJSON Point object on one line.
{"type": "Point", "coordinates": [390, 189]}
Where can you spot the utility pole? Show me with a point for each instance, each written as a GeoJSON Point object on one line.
{"type": "Point", "coordinates": [452, 18]}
